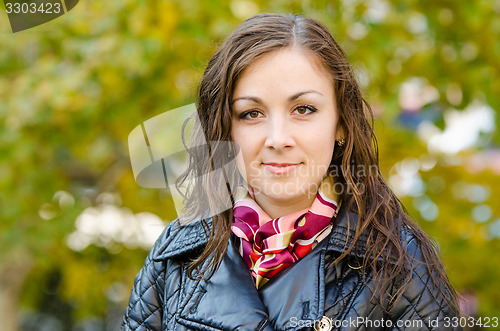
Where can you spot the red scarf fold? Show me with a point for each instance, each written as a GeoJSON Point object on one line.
{"type": "Point", "coordinates": [269, 245]}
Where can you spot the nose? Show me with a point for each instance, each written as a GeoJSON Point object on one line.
{"type": "Point", "coordinates": [279, 134]}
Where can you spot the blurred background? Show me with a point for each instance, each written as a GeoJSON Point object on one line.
{"type": "Point", "coordinates": [75, 228]}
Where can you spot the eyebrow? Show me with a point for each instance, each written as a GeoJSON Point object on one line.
{"type": "Point", "coordinates": [292, 98]}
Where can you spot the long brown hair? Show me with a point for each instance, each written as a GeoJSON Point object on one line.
{"type": "Point", "coordinates": [381, 215]}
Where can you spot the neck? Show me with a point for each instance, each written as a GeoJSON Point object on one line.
{"type": "Point", "coordinates": [277, 209]}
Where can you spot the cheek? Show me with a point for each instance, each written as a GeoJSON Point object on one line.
{"type": "Point", "coordinates": [323, 155]}
{"type": "Point", "coordinates": [245, 154]}
{"type": "Point", "coordinates": [320, 150]}
{"type": "Point", "coordinates": [329, 140]}
{"type": "Point", "coordinates": [321, 139]}
{"type": "Point", "coordinates": [246, 142]}
{"type": "Point", "coordinates": [241, 165]}
{"type": "Point", "coordinates": [239, 135]}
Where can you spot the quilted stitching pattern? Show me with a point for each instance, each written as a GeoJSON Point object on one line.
{"type": "Point", "coordinates": [144, 311]}
{"type": "Point", "coordinates": [146, 300]}
{"type": "Point", "coordinates": [159, 293]}
{"type": "Point", "coordinates": [348, 297]}
{"type": "Point", "coordinates": [422, 300]}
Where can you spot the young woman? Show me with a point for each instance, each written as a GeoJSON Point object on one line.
{"type": "Point", "coordinates": [314, 238]}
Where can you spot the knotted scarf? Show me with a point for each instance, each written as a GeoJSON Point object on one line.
{"type": "Point", "coordinates": [269, 245]}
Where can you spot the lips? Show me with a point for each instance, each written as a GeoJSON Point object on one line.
{"type": "Point", "coordinates": [280, 168]}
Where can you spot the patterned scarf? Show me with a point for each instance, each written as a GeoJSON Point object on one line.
{"type": "Point", "coordinates": [269, 245]}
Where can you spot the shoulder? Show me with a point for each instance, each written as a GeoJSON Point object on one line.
{"type": "Point", "coordinates": [175, 241]}
{"type": "Point", "coordinates": [146, 299]}
{"type": "Point", "coordinates": [427, 288]}
{"type": "Point", "coordinates": [179, 239]}
{"type": "Point", "coordinates": [428, 295]}
{"type": "Point", "coordinates": [344, 234]}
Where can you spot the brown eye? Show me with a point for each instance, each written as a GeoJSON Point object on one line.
{"type": "Point", "coordinates": [303, 110]}
{"type": "Point", "coordinates": [250, 114]}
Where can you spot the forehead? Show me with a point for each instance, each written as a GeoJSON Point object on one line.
{"type": "Point", "coordinates": [286, 68]}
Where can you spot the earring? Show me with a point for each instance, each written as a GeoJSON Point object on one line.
{"type": "Point", "coordinates": [341, 142]}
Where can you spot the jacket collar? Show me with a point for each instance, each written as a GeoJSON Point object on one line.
{"type": "Point", "coordinates": [184, 240]}
{"type": "Point", "coordinates": [218, 303]}
{"type": "Point", "coordinates": [213, 305]}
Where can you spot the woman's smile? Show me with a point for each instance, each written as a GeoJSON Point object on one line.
{"type": "Point", "coordinates": [281, 168]}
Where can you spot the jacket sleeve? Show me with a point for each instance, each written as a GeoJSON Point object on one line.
{"type": "Point", "coordinates": [422, 305]}
{"type": "Point", "coordinates": [145, 311]}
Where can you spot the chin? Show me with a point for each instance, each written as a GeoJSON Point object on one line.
{"type": "Point", "coordinates": [287, 197]}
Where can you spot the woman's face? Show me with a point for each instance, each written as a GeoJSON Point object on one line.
{"type": "Point", "coordinates": [284, 120]}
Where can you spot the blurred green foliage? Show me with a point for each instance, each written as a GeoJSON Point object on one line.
{"type": "Point", "coordinates": [71, 91]}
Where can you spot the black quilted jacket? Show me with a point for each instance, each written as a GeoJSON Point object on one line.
{"type": "Point", "coordinates": [307, 295]}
